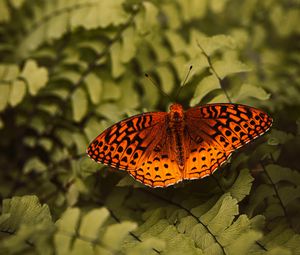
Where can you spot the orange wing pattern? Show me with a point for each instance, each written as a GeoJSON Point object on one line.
{"type": "Point", "coordinates": [217, 130]}
{"type": "Point", "coordinates": [160, 168]}
{"type": "Point", "coordinates": [160, 149]}
{"type": "Point", "coordinates": [140, 146]}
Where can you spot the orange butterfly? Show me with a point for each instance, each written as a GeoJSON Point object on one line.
{"type": "Point", "coordinates": [160, 149]}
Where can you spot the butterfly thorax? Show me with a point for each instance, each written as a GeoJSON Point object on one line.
{"type": "Point", "coordinates": [176, 128]}
{"type": "Point", "coordinates": [176, 113]}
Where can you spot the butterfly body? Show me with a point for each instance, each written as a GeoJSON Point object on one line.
{"type": "Point", "coordinates": [176, 128]}
{"type": "Point", "coordinates": [160, 149]}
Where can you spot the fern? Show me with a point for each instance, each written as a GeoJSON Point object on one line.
{"type": "Point", "coordinates": [70, 69]}
{"type": "Point", "coordinates": [28, 223]}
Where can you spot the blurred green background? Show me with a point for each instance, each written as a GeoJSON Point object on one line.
{"type": "Point", "coordinates": [70, 69]}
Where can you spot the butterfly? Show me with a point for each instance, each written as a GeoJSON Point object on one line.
{"type": "Point", "coordinates": [160, 149]}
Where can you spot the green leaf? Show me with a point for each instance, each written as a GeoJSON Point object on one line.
{"type": "Point", "coordinates": [214, 43]}
{"type": "Point", "coordinates": [72, 195]}
{"type": "Point", "coordinates": [217, 227]}
{"type": "Point", "coordinates": [173, 14]}
{"type": "Point", "coordinates": [284, 21]}
{"type": "Point", "coordinates": [242, 185]}
{"type": "Point", "coordinates": [66, 226]}
{"type": "Point", "coordinates": [250, 91]}
{"type": "Point", "coordinates": [34, 165]}
{"type": "Point", "coordinates": [279, 251]}
{"type": "Point", "coordinates": [128, 45]}
{"type": "Point", "coordinates": [193, 9]}
{"type": "Point", "coordinates": [289, 194]}
{"type": "Point", "coordinates": [280, 136]}
{"type": "Point", "coordinates": [38, 124]}
{"type": "Point", "coordinates": [283, 237]}
{"type": "Point", "coordinates": [177, 243]}
{"type": "Point", "coordinates": [94, 45]}
{"type": "Point", "coordinates": [36, 77]}
{"type": "Point", "coordinates": [29, 224]}
{"type": "Point", "coordinates": [217, 6]}
{"type": "Point", "coordinates": [127, 88]}
{"type": "Point", "coordinates": [79, 104]}
{"type": "Point", "coordinates": [88, 167]}
{"type": "Point", "coordinates": [176, 41]}
{"type": "Point", "coordinates": [243, 243]}
{"type": "Point", "coordinates": [258, 222]}
{"type": "Point", "coordinates": [94, 127]}
{"type": "Point", "coordinates": [69, 75]}
{"type": "Point", "coordinates": [68, 221]}
{"type": "Point", "coordinates": [8, 72]}
{"type": "Point", "coordinates": [258, 196]}
{"type": "Point", "coordinates": [111, 13]}
{"type": "Point", "coordinates": [92, 222]}
{"type": "Point", "coordinates": [219, 97]}
{"type": "Point", "coordinates": [204, 207]}
{"type": "Point", "coordinates": [116, 65]}
{"type": "Point", "coordinates": [161, 53]}
{"type": "Point", "coordinates": [146, 246]}
{"type": "Point", "coordinates": [65, 136]}
{"type": "Point", "coordinates": [146, 19]}
{"type": "Point", "coordinates": [128, 181]}
{"type": "Point", "coordinates": [46, 143]}
{"type": "Point", "coordinates": [23, 210]}
{"type": "Point", "coordinates": [221, 215]}
{"type": "Point", "coordinates": [206, 85]}
{"type": "Point", "coordinates": [56, 19]}
{"type": "Point", "coordinates": [110, 111]}
{"type": "Point", "coordinates": [80, 142]}
{"type": "Point", "coordinates": [57, 26]}
{"type": "Point", "coordinates": [94, 87]}
{"type": "Point", "coordinates": [279, 173]}
{"type": "Point", "coordinates": [167, 79]}
{"type": "Point", "coordinates": [229, 66]}
{"type": "Point", "coordinates": [113, 241]}
{"type": "Point", "coordinates": [234, 231]}
{"type": "Point", "coordinates": [17, 93]}
{"type": "Point", "coordinates": [111, 91]}
{"type": "Point", "coordinates": [89, 232]}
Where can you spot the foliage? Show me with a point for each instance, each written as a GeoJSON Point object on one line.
{"type": "Point", "coordinates": [69, 69]}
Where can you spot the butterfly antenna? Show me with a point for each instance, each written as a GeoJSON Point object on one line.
{"type": "Point", "coordinates": [184, 82]}
{"type": "Point", "coordinates": [159, 88]}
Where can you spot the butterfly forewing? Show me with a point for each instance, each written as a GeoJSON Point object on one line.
{"type": "Point", "coordinates": [229, 126]}
{"type": "Point", "coordinates": [216, 130]}
{"type": "Point", "coordinates": [125, 143]}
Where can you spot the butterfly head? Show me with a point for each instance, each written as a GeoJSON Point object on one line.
{"type": "Point", "coordinates": [176, 112]}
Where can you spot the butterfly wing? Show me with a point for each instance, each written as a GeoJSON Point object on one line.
{"type": "Point", "coordinates": [159, 169]}
{"type": "Point", "coordinates": [216, 131]}
{"type": "Point", "coordinates": [139, 145]}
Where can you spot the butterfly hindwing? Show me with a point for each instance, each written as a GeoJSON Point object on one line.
{"type": "Point", "coordinates": [160, 168]}
{"type": "Point", "coordinates": [204, 158]}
